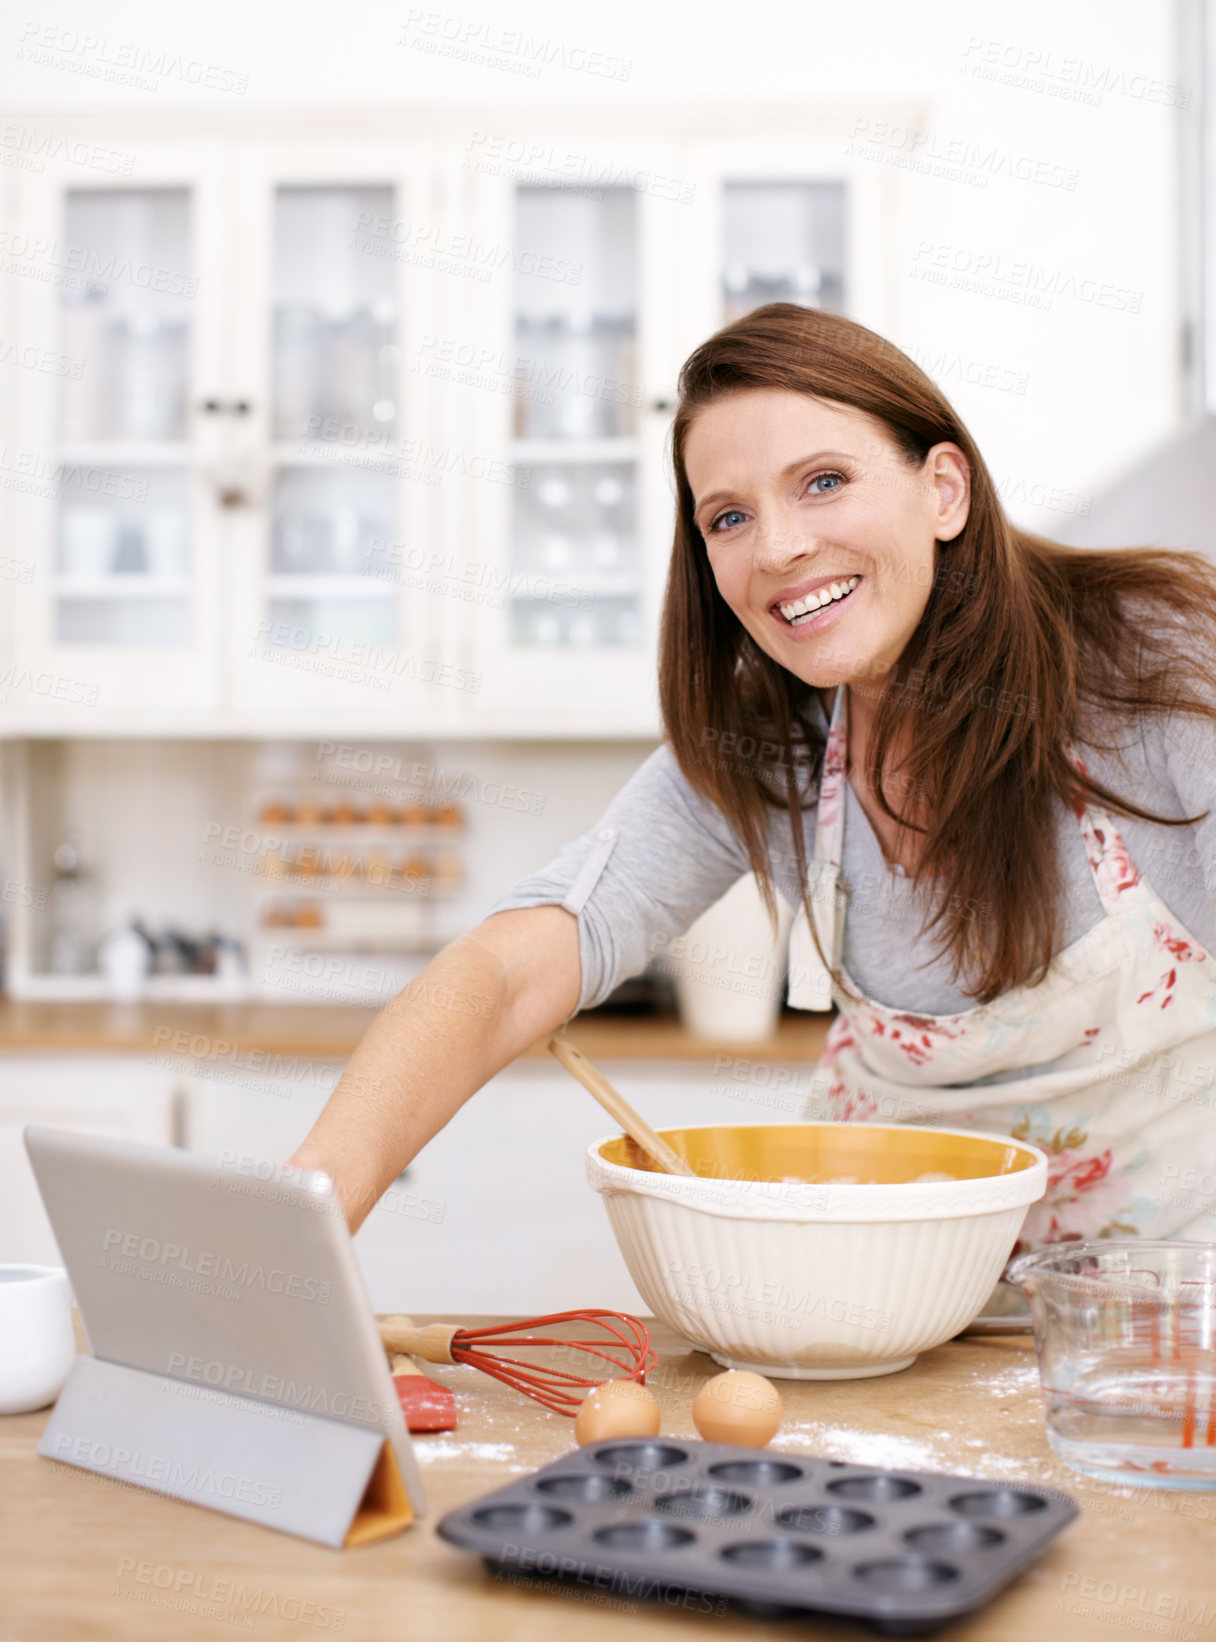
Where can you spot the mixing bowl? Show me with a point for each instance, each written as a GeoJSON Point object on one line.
{"type": "Point", "coordinates": [818, 1251]}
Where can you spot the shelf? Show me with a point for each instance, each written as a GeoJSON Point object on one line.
{"type": "Point", "coordinates": [321, 884]}
{"type": "Point", "coordinates": [285, 584]}
{"type": "Point", "coordinates": [144, 453]}
{"type": "Point", "coordinates": [600, 648]}
{"type": "Point", "coordinates": [323, 453]}
{"type": "Point", "coordinates": [576, 450]}
{"type": "Point", "coordinates": [166, 988]}
{"type": "Point", "coordinates": [603, 584]}
{"type": "Point", "coordinates": [361, 832]}
{"type": "Point", "coordinates": [135, 585]}
{"type": "Point", "coordinates": [336, 940]}
{"type": "Point", "coordinates": [306, 453]}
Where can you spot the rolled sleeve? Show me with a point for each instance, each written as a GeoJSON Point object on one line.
{"type": "Point", "coordinates": [657, 857]}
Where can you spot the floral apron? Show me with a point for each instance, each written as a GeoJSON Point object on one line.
{"type": "Point", "coordinates": [1108, 1064]}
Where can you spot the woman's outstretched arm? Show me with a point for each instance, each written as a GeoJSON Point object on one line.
{"type": "Point", "coordinates": [478, 1004]}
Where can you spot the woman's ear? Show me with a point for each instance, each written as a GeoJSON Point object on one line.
{"type": "Point", "coordinates": [949, 490]}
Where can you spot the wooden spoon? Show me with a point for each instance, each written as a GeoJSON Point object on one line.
{"type": "Point", "coordinates": [615, 1104]}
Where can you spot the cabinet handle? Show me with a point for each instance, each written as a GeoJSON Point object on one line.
{"type": "Point", "coordinates": [225, 407]}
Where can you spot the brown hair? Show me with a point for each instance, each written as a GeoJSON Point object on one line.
{"type": "Point", "coordinates": [1022, 643]}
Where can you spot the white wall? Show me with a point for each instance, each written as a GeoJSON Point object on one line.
{"type": "Point", "coordinates": [1092, 386]}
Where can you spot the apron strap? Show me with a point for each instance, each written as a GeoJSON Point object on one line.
{"type": "Point", "coordinates": [1113, 868]}
{"type": "Point", "coordinates": [829, 814]}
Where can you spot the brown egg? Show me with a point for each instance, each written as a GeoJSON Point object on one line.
{"type": "Point", "coordinates": [738, 1407]}
{"type": "Point", "coordinates": [618, 1408]}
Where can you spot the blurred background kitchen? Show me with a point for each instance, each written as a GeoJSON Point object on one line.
{"type": "Point", "coordinates": [337, 377]}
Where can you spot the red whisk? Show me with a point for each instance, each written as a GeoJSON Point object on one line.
{"type": "Point", "coordinates": [630, 1352]}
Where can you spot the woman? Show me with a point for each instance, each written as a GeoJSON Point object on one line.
{"type": "Point", "coordinates": [934, 705]}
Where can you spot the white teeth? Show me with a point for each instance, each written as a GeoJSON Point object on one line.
{"type": "Point", "coordinates": [816, 601]}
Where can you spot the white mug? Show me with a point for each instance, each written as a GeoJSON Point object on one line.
{"type": "Point", "coordinates": [37, 1344]}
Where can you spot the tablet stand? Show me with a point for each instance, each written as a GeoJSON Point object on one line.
{"type": "Point", "coordinates": [303, 1473]}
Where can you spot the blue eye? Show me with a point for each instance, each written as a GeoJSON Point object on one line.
{"type": "Point", "coordinates": [839, 478]}
{"type": "Point", "coordinates": [731, 511]}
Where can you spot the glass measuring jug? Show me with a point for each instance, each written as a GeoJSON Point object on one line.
{"type": "Point", "coordinates": [1126, 1338]}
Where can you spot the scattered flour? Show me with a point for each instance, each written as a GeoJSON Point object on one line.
{"type": "Point", "coordinates": [443, 1448]}
{"type": "Point", "coordinates": [1015, 1381]}
{"type": "Point", "coordinates": [1017, 1384]}
{"type": "Point", "coordinates": [839, 1442]}
{"type": "Point", "coordinates": [987, 1464]}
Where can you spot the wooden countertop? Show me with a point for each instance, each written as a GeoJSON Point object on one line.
{"type": "Point", "coordinates": [90, 1560]}
{"type": "Point", "coordinates": [332, 1031]}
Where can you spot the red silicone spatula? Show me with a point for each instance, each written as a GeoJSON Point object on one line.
{"type": "Point", "coordinates": [426, 1406]}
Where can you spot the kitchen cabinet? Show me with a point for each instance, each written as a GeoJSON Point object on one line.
{"type": "Point", "coordinates": [359, 425]}
{"type": "Point", "coordinates": [123, 1096]}
{"type": "Point", "coordinates": [116, 299]}
{"type": "Point", "coordinates": [570, 551]}
{"type": "Point", "coordinates": [333, 494]}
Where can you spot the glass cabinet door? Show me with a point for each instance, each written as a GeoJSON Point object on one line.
{"type": "Point", "coordinates": [802, 219]}
{"type": "Point", "coordinates": [575, 545]}
{"type": "Point", "coordinates": [782, 242]}
{"type": "Point", "coordinates": [335, 365]}
{"type": "Point", "coordinates": [116, 625]}
{"type": "Point", "coordinates": [325, 619]}
{"type": "Point", "coordinates": [574, 559]}
{"type": "Point", "coordinates": [124, 555]}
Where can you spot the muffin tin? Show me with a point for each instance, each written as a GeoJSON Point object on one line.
{"type": "Point", "coordinates": [776, 1533]}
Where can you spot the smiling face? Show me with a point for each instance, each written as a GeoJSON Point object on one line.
{"type": "Point", "coordinates": [822, 537]}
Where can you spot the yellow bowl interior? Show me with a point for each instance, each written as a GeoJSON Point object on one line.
{"type": "Point", "coordinates": [861, 1153]}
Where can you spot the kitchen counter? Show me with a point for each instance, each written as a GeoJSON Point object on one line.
{"type": "Point", "coordinates": [90, 1560]}
{"type": "Point", "coordinates": [332, 1031]}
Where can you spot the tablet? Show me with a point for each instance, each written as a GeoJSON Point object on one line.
{"type": "Point", "coordinates": [235, 1284]}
